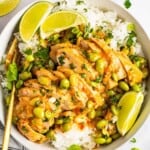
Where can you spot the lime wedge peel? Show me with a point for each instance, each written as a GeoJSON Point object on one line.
{"type": "Point", "coordinates": [61, 20]}
{"type": "Point", "coordinates": [130, 105]}
{"type": "Point", "coordinates": [7, 6]}
{"type": "Point", "coordinates": [33, 18]}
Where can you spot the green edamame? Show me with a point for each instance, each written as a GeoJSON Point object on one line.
{"type": "Point", "coordinates": [124, 86]}
{"type": "Point", "coordinates": [38, 112]}
{"type": "Point", "coordinates": [64, 84]}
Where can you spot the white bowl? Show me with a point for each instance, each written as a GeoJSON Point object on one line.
{"type": "Point", "coordinates": [142, 38]}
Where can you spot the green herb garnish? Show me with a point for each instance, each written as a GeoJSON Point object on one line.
{"type": "Point", "coordinates": [72, 66]}
{"type": "Point", "coordinates": [12, 72]}
{"type": "Point", "coordinates": [61, 59]}
{"type": "Point", "coordinates": [127, 4]}
{"type": "Point", "coordinates": [28, 51]}
{"type": "Point", "coordinates": [79, 2]}
{"type": "Point", "coordinates": [85, 9]}
{"type": "Point", "coordinates": [84, 66]}
{"type": "Point", "coordinates": [130, 40]}
{"type": "Point", "coordinates": [133, 140]}
{"type": "Point", "coordinates": [99, 79]}
{"type": "Point", "coordinates": [42, 53]}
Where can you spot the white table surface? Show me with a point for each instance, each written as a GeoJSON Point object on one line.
{"type": "Point", "coordinates": [140, 9]}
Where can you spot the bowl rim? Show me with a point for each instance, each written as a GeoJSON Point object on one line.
{"type": "Point", "coordinates": [16, 134]}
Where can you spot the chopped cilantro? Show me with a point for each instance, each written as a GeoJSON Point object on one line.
{"type": "Point", "coordinates": [130, 40]}
{"type": "Point", "coordinates": [79, 2]}
{"type": "Point", "coordinates": [110, 35]}
{"type": "Point", "coordinates": [74, 147]}
{"type": "Point", "coordinates": [99, 79]}
{"type": "Point", "coordinates": [12, 72]}
{"type": "Point", "coordinates": [85, 53]}
{"type": "Point", "coordinates": [83, 75]}
{"type": "Point", "coordinates": [84, 66]}
{"type": "Point", "coordinates": [61, 59]}
{"type": "Point", "coordinates": [85, 9]}
{"type": "Point", "coordinates": [57, 103]}
{"type": "Point", "coordinates": [127, 4]}
{"type": "Point", "coordinates": [28, 51]}
{"type": "Point", "coordinates": [42, 53]}
{"type": "Point", "coordinates": [87, 31]}
{"type": "Point", "coordinates": [72, 66]}
{"type": "Point", "coordinates": [133, 140]}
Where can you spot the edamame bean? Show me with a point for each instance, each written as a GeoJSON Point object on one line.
{"type": "Point", "coordinates": [73, 80]}
{"type": "Point", "coordinates": [29, 58]}
{"type": "Point", "coordinates": [101, 124]}
{"type": "Point", "coordinates": [25, 75]}
{"type": "Point", "coordinates": [75, 30]}
{"type": "Point", "coordinates": [108, 140]}
{"type": "Point", "coordinates": [100, 66]}
{"type": "Point", "coordinates": [93, 57]}
{"type": "Point", "coordinates": [114, 110]}
{"type": "Point", "coordinates": [19, 84]}
{"type": "Point", "coordinates": [59, 121]}
{"type": "Point", "coordinates": [90, 104]}
{"type": "Point", "coordinates": [111, 93]}
{"type": "Point", "coordinates": [38, 112]}
{"type": "Point", "coordinates": [136, 87]}
{"type": "Point", "coordinates": [66, 127]}
{"type": "Point", "coordinates": [44, 80]}
{"type": "Point", "coordinates": [92, 114]}
{"type": "Point", "coordinates": [49, 115]}
{"type": "Point", "coordinates": [51, 135]}
{"type": "Point", "coordinates": [100, 140]}
{"type": "Point", "coordinates": [64, 84]}
{"type": "Point", "coordinates": [124, 86]}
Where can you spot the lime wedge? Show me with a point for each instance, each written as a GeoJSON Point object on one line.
{"type": "Point", "coordinates": [130, 105]}
{"type": "Point", "coordinates": [7, 6]}
{"type": "Point", "coordinates": [61, 20]}
{"type": "Point", "coordinates": [32, 19]}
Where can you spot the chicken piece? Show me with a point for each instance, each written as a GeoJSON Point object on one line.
{"type": "Point", "coordinates": [134, 74]}
{"type": "Point", "coordinates": [82, 85]}
{"type": "Point", "coordinates": [29, 133]}
{"type": "Point", "coordinates": [41, 126]}
{"type": "Point", "coordinates": [29, 91]}
{"type": "Point", "coordinates": [73, 56]}
{"type": "Point", "coordinates": [23, 109]}
{"type": "Point", "coordinates": [32, 83]}
{"type": "Point", "coordinates": [46, 73]}
{"type": "Point", "coordinates": [54, 49]}
{"type": "Point", "coordinates": [87, 44]}
{"type": "Point", "coordinates": [59, 74]}
{"type": "Point", "coordinates": [114, 66]}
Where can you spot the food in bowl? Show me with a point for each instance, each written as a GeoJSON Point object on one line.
{"type": "Point", "coordinates": [70, 83]}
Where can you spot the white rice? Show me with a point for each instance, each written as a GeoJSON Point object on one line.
{"type": "Point", "coordinates": [74, 136]}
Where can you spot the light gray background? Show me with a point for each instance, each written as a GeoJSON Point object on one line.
{"type": "Point", "coordinates": [140, 10]}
